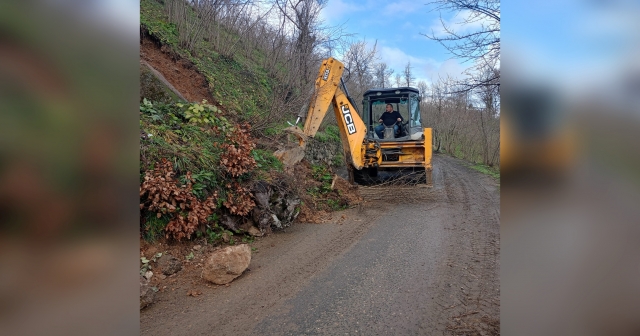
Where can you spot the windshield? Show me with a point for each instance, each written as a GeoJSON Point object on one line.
{"type": "Point", "coordinates": [378, 108]}
{"type": "Point", "coordinates": [415, 111]}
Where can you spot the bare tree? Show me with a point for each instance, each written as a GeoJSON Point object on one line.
{"type": "Point", "coordinates": [303, 15]}
{"type": "Point", "coordinates": [461, 126]}
{"type": "Point", "coordinates": [398, 79]}
{"type": "Point", "coordinates": [423, 87]}
{"type": "Point", "coordinates": [189, 27]}
{"type": "Point", "coordinates": [480, 46]}
{"type": "Point", "coordinates": [409, 78]}
{"type": "Point", "coordinates": [382, 74]}
{"type": "Point", "coordinates": [489, 118]}
{"type": "Point", "coordinates": [359, 62]}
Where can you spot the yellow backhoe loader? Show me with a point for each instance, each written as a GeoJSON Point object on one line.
{"type": "Point", "coordinates": [365, 152]}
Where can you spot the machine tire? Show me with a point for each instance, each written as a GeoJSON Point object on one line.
{"type": "Point", "coordinates": [358, 176]}
{"type": "Point", "coordinates": [365, 176]}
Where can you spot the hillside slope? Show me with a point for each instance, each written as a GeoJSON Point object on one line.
{"type": "Point", "coordinates": [212, 151]}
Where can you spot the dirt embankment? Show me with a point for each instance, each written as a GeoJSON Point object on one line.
{"type": "Point", "coordinates": [181, 73]}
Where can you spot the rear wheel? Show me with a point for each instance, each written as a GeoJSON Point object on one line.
{"type": "Point", "coordinates": [365, 176]}
{"type": "Point", "coordinates": [358, 176]}
{"type": "Point", "coordinates": [373, 171]}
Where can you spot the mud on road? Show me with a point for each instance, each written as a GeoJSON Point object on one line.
{"type": "Point", "coordinates": [413, 260]}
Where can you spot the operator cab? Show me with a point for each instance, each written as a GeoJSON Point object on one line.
{"type": "Point", "coordinates": [405, 100]}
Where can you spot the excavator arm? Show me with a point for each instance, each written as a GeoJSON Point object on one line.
{"type": "Point", "coordinates": [358, 152]}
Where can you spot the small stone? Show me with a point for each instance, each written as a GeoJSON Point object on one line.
{"type": "Point", "coordinates": [162, 276]}
{"type": "Point", "coordinates": [254, 231]}
{"type": "Point", "coordinates": [197, 247]}
{"type": "Point", "coordinates": [148, 275]}
{"type": "Point", "coordinates": [169, 264]}
{"type": "Point", "coordinates": [245, 226]}
{"type": "Point", "coordinates": [225, 237]}
{"type": "Point", "coordinates": [147, 294]}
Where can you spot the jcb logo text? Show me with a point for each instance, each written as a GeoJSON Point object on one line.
{"type": "Point", "coordinates": [326, 75]}
{"type": "Point", "coordinates": [348, 119]}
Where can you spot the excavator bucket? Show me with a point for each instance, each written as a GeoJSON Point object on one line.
{"type": "Point", "coordinates": [291, 155]}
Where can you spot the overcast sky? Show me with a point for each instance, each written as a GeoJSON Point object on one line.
{"type": "Point", "coordinates": [397, 26]}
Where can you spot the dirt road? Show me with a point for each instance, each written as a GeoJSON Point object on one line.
{"type": "Point", "coordinates": [412, 261]}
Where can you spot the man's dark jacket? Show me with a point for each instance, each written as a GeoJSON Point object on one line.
{"type": "Point", "coordinates": [389, 118]}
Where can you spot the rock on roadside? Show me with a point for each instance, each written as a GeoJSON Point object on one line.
{"type": "Point", "coordinates": [274, 209]}
{"type": "Point", "coordinates": [224, 265]}
{"type": "Point", "coordinates": [146, 293]}
{"type": "Point", "coordinates": [169, 264]}
{"type": "Point", "coordinates": [254, 231]}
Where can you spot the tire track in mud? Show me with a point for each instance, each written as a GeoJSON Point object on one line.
{"type": "Point", "coordinates": [468, 281]}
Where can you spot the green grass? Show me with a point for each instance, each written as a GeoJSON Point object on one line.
{"type": "Point", "coordinates": [277, 128]}
{"type": "Point", "coordinates": [242, 87]}
{"type": "Point", "coordinates": [335, 205]}
{"type": "Point", "coordinates": [153, 18]}
{"type": "Point", "coordinates": [330, 134]}
{"type": "Point", "coordinates": [324, 193]}
{"type": "Point", "coordinates": [168, 135]}
{"type": "Point", "coordinates": [154, 226]}
{"type": "Point", "coordinates": [486, 170]}
{"type": "Point", "coordinates": [322, 174]}
{"type": "Point", "coordinates": [266, 161]}
{"type": "Point", "coordinates": [241, 91]}
{"type": "Point", "coordinates": [338, 160]}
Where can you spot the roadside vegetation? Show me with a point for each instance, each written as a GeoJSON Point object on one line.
{"type": "Point", "coordinates": [491, 171]}
{"type": "Point", "coordinates": [193, 162]}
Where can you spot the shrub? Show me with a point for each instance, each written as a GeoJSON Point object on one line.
{"type": "Point", "coordinates": [161, 194]}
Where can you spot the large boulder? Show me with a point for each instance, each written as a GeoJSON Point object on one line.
{"type": "Point", "coordinates": [224, 265]}
{"type": "Point", "coordinates": [169, 264]}
{"type": "Point", "coordinates": [147, 294]}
